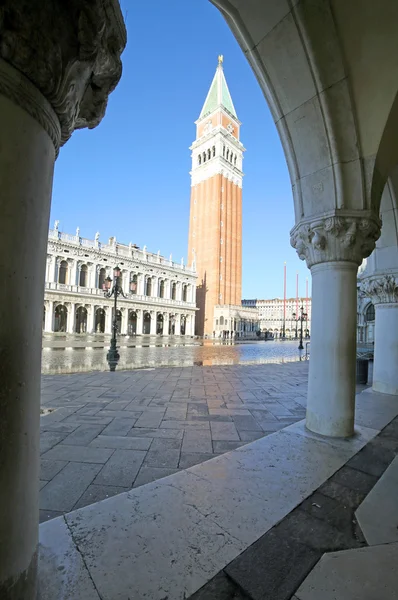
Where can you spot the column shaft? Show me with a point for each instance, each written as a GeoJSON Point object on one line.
{"type": "Point", "coordinates": [27, 157]}
{"type": "Point", "coordinates": [153, 322]}
{"type": "Point", "coordinates": [49, 320]}
{"type": "Point", "coordinates": [331, 383]}
{"type": "Point", "coordinates": [71, 322]}
{"type": "Point", "coordinates": [108, 319]}
{"type": "Point", "coordinates": [385, 366]}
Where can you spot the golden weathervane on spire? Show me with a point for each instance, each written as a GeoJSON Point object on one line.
{"type": "Point", "coordinates": [220, 59]}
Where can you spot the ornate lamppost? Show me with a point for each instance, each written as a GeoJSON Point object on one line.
{"type": "Point", "coordinates": [300, 319]}
{"type": "Point", "coordinates": [114, 290]}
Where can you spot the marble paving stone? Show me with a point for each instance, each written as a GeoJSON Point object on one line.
{"type": "Point", "coordinates": [149, 419]}
{"type": "Point", "coordinates": [162, 538]}
{"type": "Point", "coordinates": [273, 567]}
{"type": "Point", "coordinates": [224, 432]}
{"type": "Point", "coordinates": [246, 423]}
{"type": "Point", "coordinates": [360, 574]}
{"type": "Point", "coordinates": [162, 458]}
{"type": "Point", "coordinates": [121, 469]}
{"type": "Point", "coordinates": [350, 445]}
{"type": "Point", "coordinates": [187, 424]}
{"type": "Point", "coordinates": [157, 433]}
{"type": "Point", "coordinates": [356, 480]}
{"type": "Point", "coordinates": [49, 468]}
{"type": "Point", "coordinates": [49, 439]}
{"type": "Point", "coordinates": [188, 459]}
{"type": "Point", "coordinates": [250, 436]}
{"type": "Point", "coordinates": [83, 435]}
{"type": "Point", "coordinates": [226, 446]}
{"type": "Point", "coordinates": [64, 490]}
{"type": "Point", "coordinates": [59, 427]}
{"type": "Point", "coordinates": [80, 419]}
{"type": "Point", "coordinates": [378, 514]}
{"type": "Point", "coordinates": [197, 441]}
{"type": "Point", "coordinates": [121, 442]}
{"type": "Point", "coordinates": [281, 470]}
{"type": "Point", "coordinates": [79, 454]}
{"type": "Point", "coordinates": [119, 427]}
{"type": "Point", "coordinates": [96, 493]}
{"type": "Point", "coordinates": [46, 515]}
{"type": "Point", "coordinates": [62, 574]}
{"type": "Point", "coordinates": [375, 410]}
{"type": "Point", "coordinates": [42, 483]}
{"type": "Point", "coordinates": [219, 588]}
{"type": "Point", "coordinates": [149, 474]}
{"type": "Point", "coordinates": [161, 444]}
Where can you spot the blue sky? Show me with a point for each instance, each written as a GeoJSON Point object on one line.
{"type": "Point", "coordinates": [130, 176]}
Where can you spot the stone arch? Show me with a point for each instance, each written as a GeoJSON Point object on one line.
{"type": "Point", "coordinates": [101, 278]}
{"type": "Point", "coordinates": [83, 277]}
{"type": "Point", "coordinates": [60, 318]}
{"type": "Point", "coordinates": [148, 286]}
{"type": "Point", "coordinates": [99, 326]}
{"type": "Point", "coordinates": [81, 320]}
{"type": "Point", "coordinates": [132, 323]}
{"type": "Point", "coordinates": [173, 290]}
{"type": "Point", "coordinates": [146, 323]}
{"type": "Point", "coordinates": [63, 274]}
{"type": "Point", "coordinates": [159, 323]}
{"type": "Point", "coordinates": [134, 284]}
{"type": "Point", "coordinates": [161, 288]}
{"type": "Point", "coordinates": [183, 324]}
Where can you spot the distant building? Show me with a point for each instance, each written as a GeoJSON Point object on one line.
{"type": "Point", "coordinates": [271, 315]}
{"type": "Point", "coordinates": [215, 227]}
{"type": "Point", "coordinates": [235, 322]}
{"type": "Point", "coordinates": [160, 294]}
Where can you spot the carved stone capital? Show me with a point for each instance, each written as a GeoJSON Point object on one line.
{"type": "Point", "coordinates": [381, 290]}
{"type": "Point", "coordinates": [65, 58]}
{"type": "Point", "coordinates": [343, 237]}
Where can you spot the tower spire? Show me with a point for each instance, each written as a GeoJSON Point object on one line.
{"type": "Point", "coordinates": [218, 95]}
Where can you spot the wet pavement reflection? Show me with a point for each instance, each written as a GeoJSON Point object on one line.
{"type": "Point", "coordinates": [81, 354]}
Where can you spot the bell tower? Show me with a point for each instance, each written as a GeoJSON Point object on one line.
{"type": "Point", "coordinates": [215, 225]}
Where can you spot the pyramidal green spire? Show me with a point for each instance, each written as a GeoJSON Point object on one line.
{"type": "Point", "coordinates": [218, 94]}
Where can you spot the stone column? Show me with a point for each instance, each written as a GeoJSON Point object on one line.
{"type": "Point", "coordinates": [155, 286]}
{"type": "Point", "coordinates": [334, 248]}
{"type": "Point", "coordinates": [125, 316]}
{"type": "Point", "coordinates": [153, 322]}
{"type": "Point", "coordinates": [177, 330]}
{"type": "Point", "coordinates": [108, 319]}
{"type": "Point", "coordinates": [49, 319]}
{"type": "Point", "coordinates": [70, 326]}
{"type": "Point", "coordinates": [383, 291]}
{"type": "Point", "coordinates": [58, 63]}
{"type": "Point", "coordinates": [140, 318]}
{"type": "Point", "coordinates": [91, 319]}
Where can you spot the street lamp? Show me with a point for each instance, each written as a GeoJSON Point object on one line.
{"type": "Point", "coordinates": [300, 319]}
{"type": "Point", "coordinates": [109, 291]}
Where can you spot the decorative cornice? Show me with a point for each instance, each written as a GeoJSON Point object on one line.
{"type": "Point", "coordinates": [381, 290]}
{"type": "Point", "coordinates": [341, 237]}
{"type": "Point", "coordinates": [70, 52]}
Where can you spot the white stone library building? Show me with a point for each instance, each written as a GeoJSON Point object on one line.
{"type": "Point", "coordinates": [159, 294]}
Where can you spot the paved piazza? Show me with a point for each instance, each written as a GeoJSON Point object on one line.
{"type": "Point", "coordinates": [103, 433]}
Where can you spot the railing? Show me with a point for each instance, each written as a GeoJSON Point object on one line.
{"type": "Point", "coordinates": [77, 289]}
{"type": "Point", "coordinates": [118, 250]}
